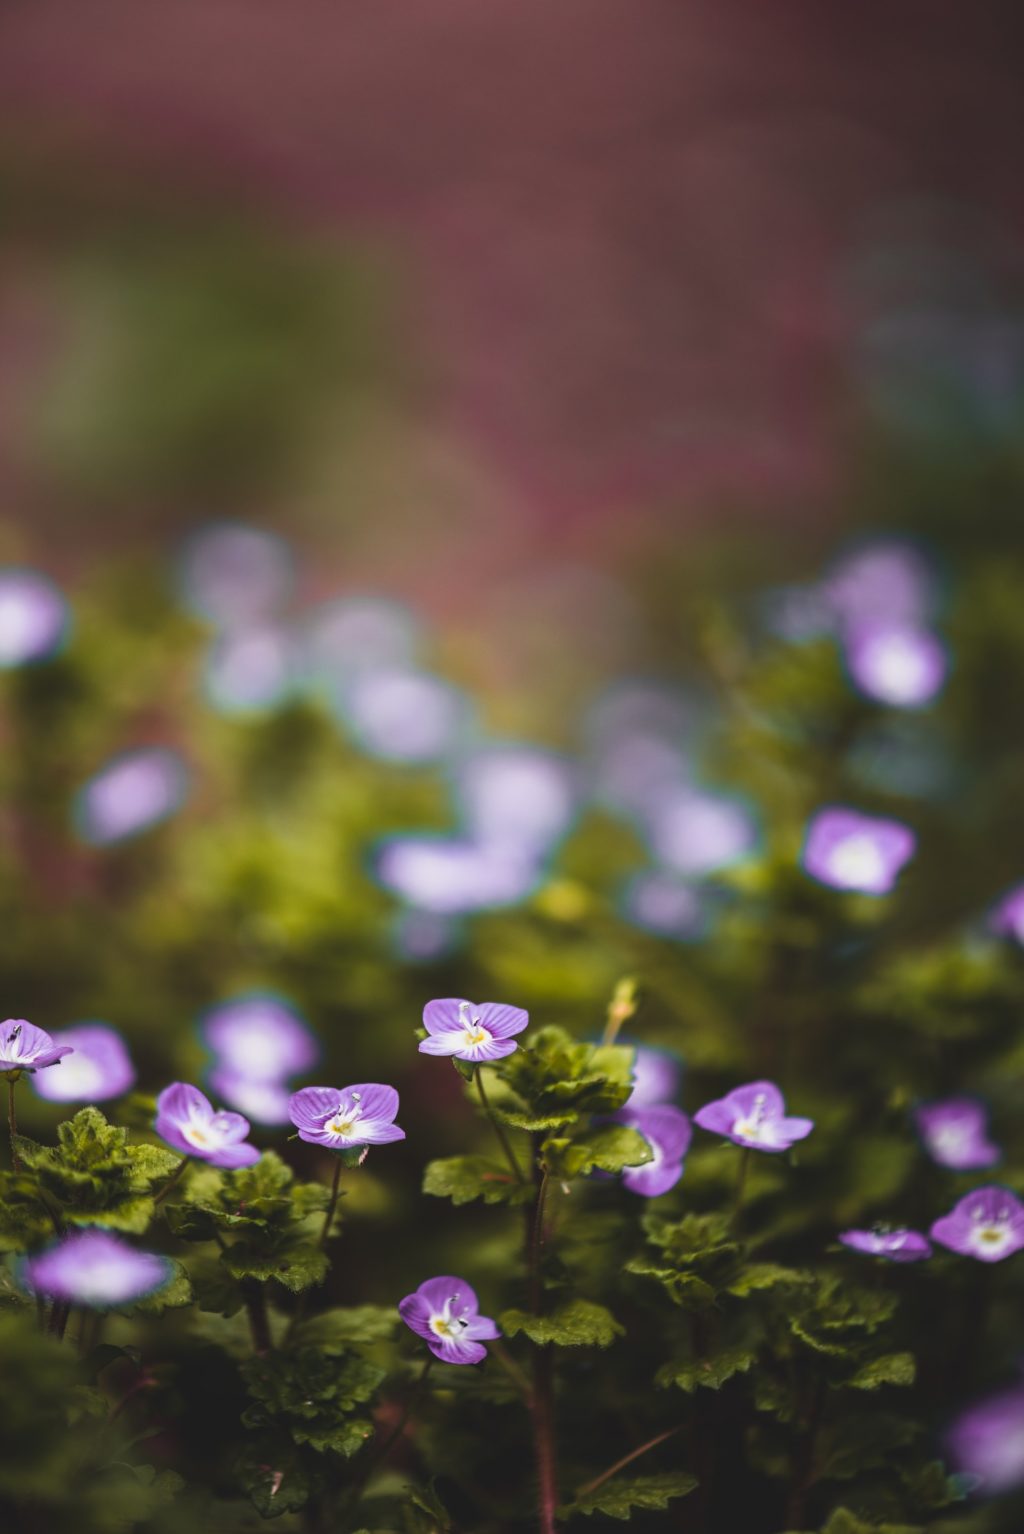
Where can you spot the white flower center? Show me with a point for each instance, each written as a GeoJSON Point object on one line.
{"type": "Point", "coordinates": [444, 1324]}
{"type": "Point", "coordinates": [751, 1127]}
{"type": "Point", "coordinates": [857, 862]}
{"type": "Point", "coordinates": [345, 1118]}
{"type": "Point", "coordinates": [472, 1031]}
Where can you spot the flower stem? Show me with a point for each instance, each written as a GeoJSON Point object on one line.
{"type": "Point", "coordinates": [542, 1397]}
{"type": "Point", "coordinates": [399, 1427]}
{"type": "Point", "coordinates": [12, 1124]}
{"type": "Point", "coordinates": [741, 1186]}
{"type": "Point", "coordinates": [333, 1204]}
{"type": "Point", "coordinates": [259, 1321]}
{"type": "Point", "coordinates": [169, 1184]}
{"type": "Point", "coordinates": [498, 1127]}
{"type": "Point", "coordinates": [627, 1459]}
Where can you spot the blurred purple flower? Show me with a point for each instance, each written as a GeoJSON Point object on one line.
{"type": "Point", "coordinates": [470, 1030]}
{"type": "Point", "coordinates": [360, 633]}
{"type": "Point", "coordinates": [403, 715]}
{"type": "Point", "coordinates": [130, 794]}
{"type": "Point", "coordinates": [260, 1036]}
{"type": "Point", "coordinates": [955, 1133]}
{"type": "Point", "coordinates": [986, 1442]}
{"type": "Point", "coordinates": [697, 833]}
{"type": "Point", "coordinates": [516, 796]}
{"type": "Point", "coordinates": [341, 1117]}
{"type": "Point", "coordinates": [445, 1313]}
{"type": "Point", "coordinates": [235, 576]}
{"type": "Point", "coordinates": [262, 1101]}
{"type": "Point", "coordinates": [895, 663]}
{"type": "Point", "coordinates": [754, 1115]}
{"type": "Point", "coordinates": [1008, 916]}
{"type": "Point", "coordinates": [100, 1066]}
{"type": "Point", "coordinates": [33, 617]}
{"type": "Point", "coordinates": [987, 1224]}
{"type": "Point", "coordinates": [250, 671]}
{"type": "Point", "coordinates": [448, 877]}
{"type": "Point", "coordinates": [656, 1077]}
{"type": "Point", "coordinates": [96, 1269]}
{"type": "Point", "coordinates": [850, 851]}
{"type": "Point", "coordinates": [668, 1132]}
{"type": "Point", "coordinates": [666, 904]}
{"type": "Point", "coordinates": [24, 1047]}
{"type": "Point", "coordinates": [895, 1245]}
{"type": "Point", "coordinates": [186, 1120]}
{"type": "Point", "coordinates": [888, 580]}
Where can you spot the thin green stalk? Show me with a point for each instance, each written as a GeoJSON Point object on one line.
{"type": "Point", "coordinates": [627, 1459]}
{"type": "Point", "coordinates": [172, 1180]}
{"type": "Point", "coordinates": [12, 1124]}
{"type": "Point", "coordinates": [542, 1406]}
{"type": "Point", "coordinates": [741, 1186]}
{"type": "Point", "coordinates": [333, 1203]}
{"type": "Point", "coordinates": [499, 1128]}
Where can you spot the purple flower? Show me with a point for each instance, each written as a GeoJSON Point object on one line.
{"type": "Point", "coordinates": [656, 1077]}
{"type": "Point", "coordinates": [987, 1224]}
{"type": "Point", "coordinates": [470, 1030]}
{"type": "Point", "coordinates": [987, 1442]}
{"type": "Point", "coordinates": [186, 1120]}
{"type": "Point", "coordinates": [340, 1117]}
{"type": "Point", "coordinates": [896, 663]}
{"type": "Point", "coordinates": [100, 1066]}
{"type": "Point", "coordinates": [1008, 916]}
{"type": "Point", "coordinates": [516, 797]}
{"type": "Point", "coordinates": [667, 1131]}
{"type": "Point", "coordinates": [400, 714]}
{"type": "Point", "coordinates": [754, 1115]}
{"type": "Point", "coordinates": [444, 1311]}
{"type": "Point", "coordinates": [233, 575]}
{"type": "Point", "coordinates": [449, 876]}
{"type": "Point", "coordinates": [955, 1133]}
{"type": "Point", "coordinates": [881, 580]}
{"type": "Point", "coordinates": [24, 1047]}
{"type": "Point", "coordinates": [94, 1268]}
{"type": "Point", "coordinates": [251, 671]}
{"type": "Point", "coordinates": [261, 1037]}
{"type": "Point", "coordinates": [849, 851]}
{"type": "Point", "coordinates": [33, 617]}
{"type": "Point", "coordinates": [697, 833]}
{"type": "Point", "coordinates": [665, 903]}
{"type": "Point", "coordinates": [895, 1245]}
{"type": "Point", "coordinates": [131, 793]}
{"type": "Point", "coordinates": [262, 1102]}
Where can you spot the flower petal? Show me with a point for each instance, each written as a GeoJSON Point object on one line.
{"type": "Point", "coordinates": [443, 1015]}
{"type": "Point", "coordinates": [436, 1292]}
{"type": "Point", "coordinates": [375, 1101]}
{"type": "Point", "coordinates": [501, 1020]}
{"type": "Point", "coordinates": [415, 1312]}
{"type": "Point", "coordinates": [234, 1156]}
{"type": "Point", "coordinates": [444, 1043]}
{"type": "Point", "coordinates": [457, 1350]}
{"type": "Point", "coordinates": [182, 1101]}
{"type": "Point", "coordinates": [653, 1179]}
{"type": "Point", "coordinates": [308, 1109]}
{"type": "Point", "coordinates": [377, 1132]}
{"type": "Point", "coordinates": [491, 1049]}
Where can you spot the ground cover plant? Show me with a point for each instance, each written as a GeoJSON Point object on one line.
{"type": "Point", "coordinates": [416, 1130]}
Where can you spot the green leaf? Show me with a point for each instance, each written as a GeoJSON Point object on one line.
{"type": "Point", "coordinates": [684, 1289]}
{"type": "Point", "coordinates": [176, 1293]}
{"type": "Point", "coordinates": [345, 1438]}
{"type": "Point", "coordinates": [609, 1148]}
{"type": "Point", "coordinates": [465, 1178]}
{"type": "Point", "coordinates": [843, 1522]}
{"type": "Point", "coordinates": [577, 1323]}
{"type": "Point", "coordinates": [621, 1497]}
{"type": "Point", "coordinates": [296, 1267]}
{"type": "Point", "coordinates": [274, 1477]}
{"type": "Point", "coordinates": [709, 1373]}
{"type": "Point", "coordinates": [890, 1369]}
{"type": "Point", "coordinates": [356, 1323]}
{"type": "Point", "coordinates": [757, 1276]}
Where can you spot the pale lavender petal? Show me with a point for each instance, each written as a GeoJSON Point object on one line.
{"type": "Point", "coordinates": [415, 1312]}
{"type": "Point", "coordinates": [308, 1108]}
{"type": "Point", "coordinates": [457, 1350]}
{"type": "Point", "coordinates": [181, 1101]}
{"type": "Point", "coordinates": [234, 1156]}
{"type": "Point", "coordinates": [375, 1101]}
{"type": "Point", "coordinates": [443, 1015]}
{"type": "Point", "coordinates": [435, 1292]}
{"type": "Point", "coordinates": [96, 1269]}
{"type": "Point", "coordinates": [502, 1020]}
{"type": "Point", "coordinates": [444, 1043]}
{"type": "Point", "coordinates": [491, 1049]}
{"type": "Point", "coordinates": [100, 1067]}
{"type": "Point", "coordinates": [379, 1132]}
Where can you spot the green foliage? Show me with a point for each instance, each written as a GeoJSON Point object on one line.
{"type": "Point", "coordinates": [554, 1080]}
{"type": "Point", "coordinates": [465, 1178]}
{"type": "Point", "coordinates": [622, 1496]}
{"type": "Point", "coordinates": [577, 1323]}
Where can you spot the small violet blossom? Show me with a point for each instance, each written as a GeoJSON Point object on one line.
{"type": "Point", "coordinates": [339, 1118]}
{"type": "Point", "coordinates": [895, 1245]}
{"type": "Point", "coordinates": [24, 1047]}
{"type": "Point", "coordinates": [445, 1313]}
{"type": "Point", "coordinates": [1008, 917]}
{"type": "Point", "coordinates": [262, 1102]}
{"type": "Point", "coordinates": [100, 1067]}
{"type": "Point", "coordinates": [469, 1030]}
{"type": "Point", "coordinates": [850, 851]}
{"type": "Point", "coordinates": [259, 1036]}
{"type": "Point", "coordinates": [987, 1224]}
{"type": "Point", "coordinates": [186, 1120]}
{"type": "Point", "coordinates": [896, 663]}
{"type": "Point", "coordinates": [754, 1116]}
{"type": "Point", "coordinates": [656, 1077]}
{"type": "Point", "coordinates": [986, 1443]}
{"type": "Point", "coordinates": [955, 1133]}
{"type": "Point", "coordinates": [94, 1268]}
{"type": "Point", "coordinates": [668, 1132]}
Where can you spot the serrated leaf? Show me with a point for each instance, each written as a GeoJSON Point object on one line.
{"type": "Point", "coordinates": [465, 1178]}
{"type": "Point", "coordinates": [176, 1293]}
{"type": "Point", "coordinates": [890, 1369]}
{"type": "Point", "coordinates": [609, 1148]}
{"type": "Point", "coordinates": [577, 1323]}
{"type": "Point", "coordinates": [708, 1373]}
{"type": "Point", "coordinates": [296, 1267]}
{"type": "Point", "coordinates": [621, 1496]}
{"type": "Point", "coordinates": [352, 1324]}
{"type": "Point", "coordinates": [685, 1289]}
{"type": "Point", "coordinates": [757, 1276]}
{"type": "Point", "coordinates": [345, 1438]}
